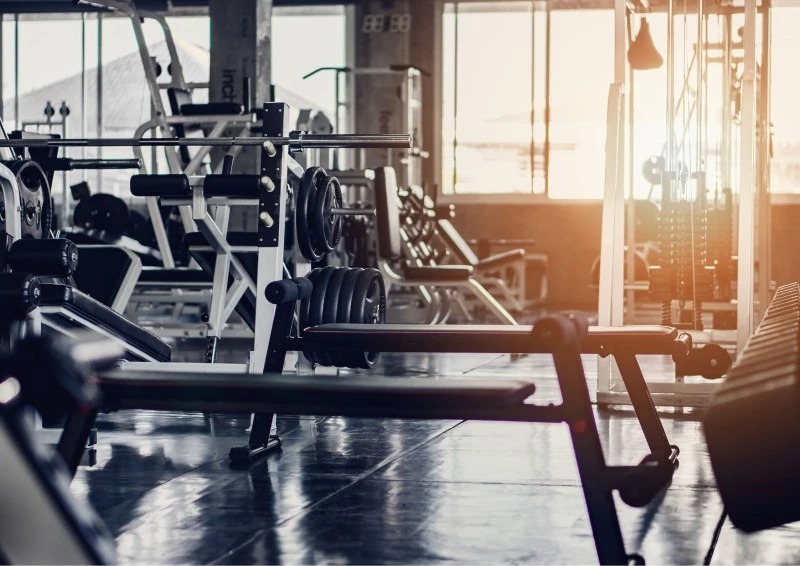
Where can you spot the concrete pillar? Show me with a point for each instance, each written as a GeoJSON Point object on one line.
{"type": "Point", "coordinates": [378, 104]}
{"type": "Point", "coordinates": [241, 47]}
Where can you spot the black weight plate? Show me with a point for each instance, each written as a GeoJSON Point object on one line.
{"type": "Point", "coordinates": [715, 360]}
{"type": "Point", "coordinates": [315, 310]}
{"type": "Point", "coordinates": [35, 199]}
{"type": "Point", "coordinates": [369, 295]}
{"type": "Point", "coordinates": [652, 169]}
{"type": "Point", "coordinates": [305, 197]}
{"type": "Point", "coordinates": [327, 227]}
{"type": "Point", "coordinates": [330, 312]}
{"type": "Point", "coordinates": [349, 359]}
{"type": "Point", "coordinates": [103, 212]}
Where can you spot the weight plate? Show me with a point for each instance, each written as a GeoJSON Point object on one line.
{"type": "Point", "coordinates": [331, 311]}
{"type": "Point", "coordinates": [317, 303]}
{"type": "Point", "coordinates": [327, 227]}
{"type": "Point", "coordinates": [102, 212]}
{"type": "Point", "coordinates": [34, 198]}
{"type": "Point", "coordinates": [652, 169]}
{"type": "Point", "coordinates": [303, 209]}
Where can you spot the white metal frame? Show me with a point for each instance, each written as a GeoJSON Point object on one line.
{"type": "Point", "coordinates": [610, 389]}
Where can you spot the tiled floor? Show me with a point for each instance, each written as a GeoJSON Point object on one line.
{"type": "Point", "coordinates": [388, 491]}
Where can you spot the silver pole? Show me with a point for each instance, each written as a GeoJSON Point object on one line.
{"type": "Point", "coordinates": [297, 141]}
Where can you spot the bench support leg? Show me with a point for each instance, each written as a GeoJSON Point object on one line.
{"type": "Point", "coordinates": [643, 405]}
{"type": "Point", "coordinates": [590, 459]}
{"type": "Point", "coordinates": [263, 438]}
{"type": "Point", "coordinates": [74, 438]}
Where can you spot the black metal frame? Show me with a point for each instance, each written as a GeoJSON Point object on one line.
{"type": "Point", "coordinates": [638, 485]}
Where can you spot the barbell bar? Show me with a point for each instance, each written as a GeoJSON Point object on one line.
{"type": "Point", "coordinates": [353, 211]}
{"type": "Point", "coordinates": [295, 141]}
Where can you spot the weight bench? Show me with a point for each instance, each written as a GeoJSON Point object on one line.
{"type": "Point", "coordinates": [489, 270]}
{"type": "Point", "coordinates": [409, 398]}
{"type": "Point", "coordinates": [390, 250]}
{"type": "Point", "coordinates": [68, 311]}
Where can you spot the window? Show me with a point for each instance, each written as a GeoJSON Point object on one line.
{"type": "Point", "coordinates": [495, 95]}
{"type": "Point", "coordinates": [487, 116]}
{"type": "Point", "coordinates": [784, 94]}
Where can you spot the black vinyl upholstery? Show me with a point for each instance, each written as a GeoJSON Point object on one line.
{"type": "Point", "coordinates": [483, 338]}
{"type": "Point", "coordinates": [387, 214]}
{"type": "Point", "coordinates": [257, 393]}
{"type": "Point", "coordinates": [75, 304]}
{"type": "Point", "coordinates": [101, 272]}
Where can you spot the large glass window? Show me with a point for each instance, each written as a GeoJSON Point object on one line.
{"type": "Point", "coordinates": [488, 86]}
{"type": "Point", "coordinates": [784, 94]}
{"type": "Point", "coordinates": [495, 96]}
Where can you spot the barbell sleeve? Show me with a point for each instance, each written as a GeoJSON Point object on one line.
{"type": "Point", "coordinates": [296, 140]}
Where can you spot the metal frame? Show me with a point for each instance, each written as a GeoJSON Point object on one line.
{"type": "Point", "coordinates": [753, 205]}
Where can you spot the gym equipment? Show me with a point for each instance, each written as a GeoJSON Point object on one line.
{"type": "Point", "coordinates": [50, 377]}
{"type": "Point", "coordinates": [413, 398]}
{"type": "Point", "coordinates": [318, 213]}
{"type": "Point", "coordinates": [51, 257]}
{"type": "Point", "coordinates": [344, 295]}
{"type": "Point", "coordinates": [752, 422]}
{"type": "Point", "coordinates": [296, 141]}
{"type": "Point", "coordinates": [35, 203]}
{"type": "Point", "coordinates": [102, 211]}
{"type": "Point", "coordinates": [717, 138]}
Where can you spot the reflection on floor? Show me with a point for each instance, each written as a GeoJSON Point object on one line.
{"type": "Point", "coordinates": [388, 491]}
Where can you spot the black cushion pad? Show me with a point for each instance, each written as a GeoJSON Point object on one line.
{"type": "Point", "coordinates": [502, 339]}
{"type": "Point", "coordinates": [307, 394]}
{"type": "Point", "coordinates": [212, 109]}
{"type": "Point", "coordinates": [175, 276]}
{"type": "Point", "coordinates": [445, 273]}
{"type": "Point", "coordinates": [81, 305]}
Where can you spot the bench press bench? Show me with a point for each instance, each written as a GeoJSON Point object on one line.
{"type": "Point", "coordinates": [410, 398]}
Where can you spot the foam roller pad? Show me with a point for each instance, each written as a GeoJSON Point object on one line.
{"type": "Point", "coordinates": [55, 257]}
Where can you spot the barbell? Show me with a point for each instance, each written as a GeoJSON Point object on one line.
{"type": "Point", "coordinates": [297, 141]}
{"type": "Point", "coordinates": [318, 213]}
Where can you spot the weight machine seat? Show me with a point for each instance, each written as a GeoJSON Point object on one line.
{"type": "Point", "coordinates": [443, 273]}
{"type": "Point", "coordinates": [179, 276]}
{"type": "Point", "coordinates": [501, 260]}
{"type": "Point", "coordinates": [292, 394]}
{"type": "Point", "coordinates": [212, 109]}
{"type": "Point", "coordinates": [236, 240]}
{"type": "Point", "coordinates": [466, 255]}
{"type": "Point", "coordinates": [71, 303]}
{"type": "Point", "coordinates": [496, 339]}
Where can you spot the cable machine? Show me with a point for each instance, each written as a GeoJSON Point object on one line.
{"type": "Point", "coordinates": [710, 273]}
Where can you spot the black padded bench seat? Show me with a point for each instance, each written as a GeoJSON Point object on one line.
{"type": "Point", "coordinates": [488, 339]}
{"type": "Point", "coordinates": [63, 300]}
{"type": "Point", "coordinates": [179, 276]}
{"type": "Point", "coordinates": [292, 394]}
